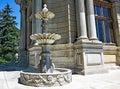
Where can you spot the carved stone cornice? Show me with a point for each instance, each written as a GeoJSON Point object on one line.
{"type": "Point", "coordinates": [21, 1]}
{"type": "Point", "coordinates": [116, 4]}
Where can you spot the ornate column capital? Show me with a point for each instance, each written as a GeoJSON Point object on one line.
{"type": "Point", "coordinates": [23, 5]}
{"type": "Point", "coordinates": [18, 1]}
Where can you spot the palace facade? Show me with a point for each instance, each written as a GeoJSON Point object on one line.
{"type": "Point", "coordinates": [90, 31]}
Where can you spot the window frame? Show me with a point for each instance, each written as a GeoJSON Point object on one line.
{"type": "Point", "coordinates": [108, 19]}
{"type": "Point", "coordinates": [103, 3]}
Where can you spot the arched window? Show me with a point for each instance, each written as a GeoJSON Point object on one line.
{"type": "Point", "coordinates": [102, 9]}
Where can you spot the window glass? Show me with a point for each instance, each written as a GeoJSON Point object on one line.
{"type": "Point", "coordinates": [109, 13]}
{"type": "Point", "coordinates": [97, 28]}
{"type": "Point", "coordinates": [97, 10]}
{"type": "Point", "coordinates": [111, 32]}
{"type": "Point", "coordinates": [107, 32]}
{"type": "Point", "coordinates": [100, 33]}
{"type": "Point", "coordinates": [104, 12]}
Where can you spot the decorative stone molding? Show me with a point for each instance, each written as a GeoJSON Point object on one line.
{"type": "Point", "coordinates": [116, 4]}
{"type": "Point", "coordinates": [18, 1]}
{"type": "Point", "coordinates": [115, 0]}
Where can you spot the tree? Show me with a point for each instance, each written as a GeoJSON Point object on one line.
{"type": "Point", "coordinates": [8, 36]}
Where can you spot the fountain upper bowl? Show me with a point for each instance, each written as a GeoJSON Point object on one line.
{"type": "Point", "coordinates": [45, 38]}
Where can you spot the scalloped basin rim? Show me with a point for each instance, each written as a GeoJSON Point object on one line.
{"type": "Point", "coordinates": [46, 79]}
{"type": "Point", "coordinates": [61, 71]}
{"type": "Point", "coordinates": [53, 36]}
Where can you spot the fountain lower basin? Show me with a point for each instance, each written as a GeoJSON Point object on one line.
{"type": "Point", "coordinates": [59, 77]}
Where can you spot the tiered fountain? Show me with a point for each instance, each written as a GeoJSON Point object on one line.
{"type": "Point", "coordinates": [47, 74]}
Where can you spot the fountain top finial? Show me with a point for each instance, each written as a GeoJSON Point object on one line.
{"type": "Point", "coordinates": [44, 14]}
{"type": "Point", "coordinates": [45, 8]}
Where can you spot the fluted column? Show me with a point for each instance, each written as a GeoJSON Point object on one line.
{"type": "Point", "coordinates": [81, 20]}
{"type": "Point", "coordinates": [91, 20]}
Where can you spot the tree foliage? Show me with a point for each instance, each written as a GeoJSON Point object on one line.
{"type": "Point", "coordinates": [8, 36]}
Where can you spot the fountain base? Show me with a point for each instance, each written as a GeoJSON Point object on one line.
{"type": "Point", "coordinates": [59, 77]}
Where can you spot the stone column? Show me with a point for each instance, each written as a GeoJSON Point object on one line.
{"type": "Point", "coordinates": [23, 60]}
{"type": "Point", "coordinates": [81, 20]}
{"type": "Point", "coordinates": [29, 25]}
{"type": "Point", "coordinates": [23, 29]}
{"type": "Point", "coordinates": [38, 7]}
{"type": "Point", "coordinates": [91, 20]}
{"type": "Point", "coordinates": [36, 23]}
{"type": "Point", "coordinates": [33, 17]}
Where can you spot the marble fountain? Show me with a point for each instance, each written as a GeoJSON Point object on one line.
{"type": "Point", "coordinates": [47, 74]}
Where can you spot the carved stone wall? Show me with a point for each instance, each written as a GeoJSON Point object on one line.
{"type": "Point", "coordinates": [64, 22]}
{"type": "Point", "coordinates": [64, 53]}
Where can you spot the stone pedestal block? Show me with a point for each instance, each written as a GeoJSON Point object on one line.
{"type": "Point", "coordinates": [89, 58]}
{"type": "Point", "coordinates": [23, 58]}
{"type": "Point", "coordinates": [34, 56]}
{"type": "Point", "coordinates": [118, 57]}
{"type": "Point", "coordinates": [62, 55]}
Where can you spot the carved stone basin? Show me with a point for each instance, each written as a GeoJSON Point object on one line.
{"type": "Point", "coordinates": [59, 77]}
{"type": "Point", "coordinates": [45, 38]}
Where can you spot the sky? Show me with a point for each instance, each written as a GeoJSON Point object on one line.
{"type": "Point", "coordinates": [15, 7]}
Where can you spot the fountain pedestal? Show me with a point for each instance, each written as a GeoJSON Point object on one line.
{"type": "Point", "coordinates": [45, 62]}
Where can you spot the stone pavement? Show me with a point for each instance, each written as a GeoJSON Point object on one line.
{"type": "Point", "coordinates": [111, 80]}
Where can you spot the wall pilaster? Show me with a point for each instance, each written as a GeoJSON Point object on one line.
{"type": "Point", "coordinates": [116, 23]}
